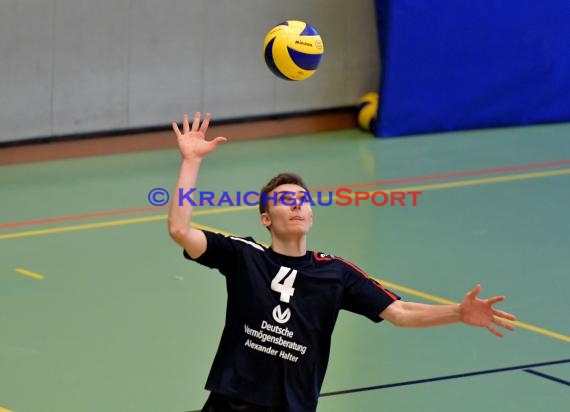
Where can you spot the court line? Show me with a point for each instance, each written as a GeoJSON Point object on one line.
{"type": "Point", "coordinates": [219, 210]}
{"type": "Point", "coordinates": [30, 274]}
{"type": "Point", "coordinates": [112, 223]}
{"type": "Point", "coordinates": [549, 377]}
{"type": "Point", "coordinates": [82, 227]}
{"type": "Point", "coordinates": [445, 377]}
{"type": "Point", "coordinates": [385, 182]}
{"type": "Point", "coordinates": [423, 295]}
{"type": "Point", "coordinates": [488, 180]}
{"type": "Point", "coordinates": [83, 216]}
{"type": "Point", "coordinates": [452, 175]}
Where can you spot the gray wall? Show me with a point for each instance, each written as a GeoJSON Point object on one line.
{"type": "Point", "coordinates": [83, 66]}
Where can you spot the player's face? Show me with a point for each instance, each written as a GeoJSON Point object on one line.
{"type": "Point", "coordinates": [289, 211]}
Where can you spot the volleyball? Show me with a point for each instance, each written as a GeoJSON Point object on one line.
{"type": "Point", "coordinates": [293, 50]}
{"type": "Point", "coordinates": [367, 111]}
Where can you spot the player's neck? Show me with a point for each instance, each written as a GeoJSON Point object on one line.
{"type": "Point", "coordinates": [290, 247]}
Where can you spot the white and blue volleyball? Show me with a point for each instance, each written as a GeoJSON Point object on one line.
{"type": "Point", "coordinates": [293, 50]}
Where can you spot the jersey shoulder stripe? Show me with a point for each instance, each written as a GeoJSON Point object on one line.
{"type": "Point", "coordinates": [323, 257]}
{"type": "Point", "coordinates": [249, 242]}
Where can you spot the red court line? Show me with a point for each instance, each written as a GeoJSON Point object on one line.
{"type": "Point", "coordinates": [385, 182]}
{"type": "Point", "coordinates": [58, 219]}
{"type": "Point", "coordinates": [451, 175]}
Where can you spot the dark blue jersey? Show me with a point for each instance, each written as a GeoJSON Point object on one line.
{"type": "Point", "coordinates": [280, 315]}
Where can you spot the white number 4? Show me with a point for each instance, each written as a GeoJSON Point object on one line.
{"type": "Point", "coordinates": [286, 288]}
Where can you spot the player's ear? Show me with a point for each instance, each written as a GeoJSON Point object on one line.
{"type": "Point", "coordinates": [265, 219]}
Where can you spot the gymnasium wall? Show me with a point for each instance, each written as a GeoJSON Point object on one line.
{"type": "Point", "coordinates": [83, 66]}
{"type": "Point", "coordinates": [470, 64]}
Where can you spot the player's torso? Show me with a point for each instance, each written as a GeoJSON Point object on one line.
{"type": "Point", "coordinates": [280, 318]}
{"type": "Point", "coordinates": [284, 311]}
{"type": "Point", "coordinates": [303, 294]}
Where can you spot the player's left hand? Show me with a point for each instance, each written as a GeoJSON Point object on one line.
{"type": "Point", "coordinates": [480, 312]}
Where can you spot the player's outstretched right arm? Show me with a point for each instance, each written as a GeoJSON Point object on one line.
{"type": "Point", "coordinates": [194, 148]}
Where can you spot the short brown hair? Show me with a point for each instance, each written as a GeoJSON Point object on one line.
{"type": "Point", "coordinates": [280, 179]}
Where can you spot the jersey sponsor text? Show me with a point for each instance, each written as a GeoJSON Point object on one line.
{"type": "Point", "coordinates": [277, 340]}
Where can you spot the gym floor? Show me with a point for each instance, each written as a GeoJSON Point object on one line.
{"type": "Point", "coordinates": [100, 311]}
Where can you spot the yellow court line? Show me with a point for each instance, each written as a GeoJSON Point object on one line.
{"type": "Point", "coordinates": [110, 223]}
{"type": "Point", "coordinates": [82, 227]}
{"type": "Point", "coordinates": [30, 274]}
{"type": "Point", "coordinates": [462, 183]}
{"type": "Point", "coordinates": [423, 295]}
{"type": "Point", "coordinates": [4, 409]}
{"type": "Point", "coordinates": [487, 180]}
{"type": "Point", "coordinates": [437, 186]}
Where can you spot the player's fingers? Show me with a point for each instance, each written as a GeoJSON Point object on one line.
{"type": "Point", "coordinates": [205, 123]}
{"type": "Point", "coordinates": [504, 314]}
{"type": "Point", "coordinates": [494, 331]}
{"type": "Point", "coordinates": [473, 293]}
{"type": "Point", "coordinates": [196, 122]}
{"type": "Point", "coordinates": [219, 139]}
{"type": "Point", "coordinates": [495, 299]}
{"type": "Point", "coordinates": [503, 324]}
{"type": "Point", "coordinates": [185, 125]}
{"type": "Point", "coordinates": [176, 129]}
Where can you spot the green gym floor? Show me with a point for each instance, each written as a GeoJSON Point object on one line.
{"type": "Point", "coordinates": [99, 311]}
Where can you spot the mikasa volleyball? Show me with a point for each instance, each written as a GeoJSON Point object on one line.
{"type": "Point", "coordinates": [293, 50]}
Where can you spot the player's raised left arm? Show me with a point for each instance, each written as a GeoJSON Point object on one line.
{"type": "Point", "coordinates": [194, 148]}
{"type": "Point", "coordinates": [472, 311]}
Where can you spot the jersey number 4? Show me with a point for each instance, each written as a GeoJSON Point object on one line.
{"type": "Point", "coordinates": [283, 283]}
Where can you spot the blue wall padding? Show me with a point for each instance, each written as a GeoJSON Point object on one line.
{"type": "Point", "coordinates": [453, 65]}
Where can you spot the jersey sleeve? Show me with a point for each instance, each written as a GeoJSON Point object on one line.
{"type": "Point", "coordinates": [221, 252]}
{"type": "Point", "coordinates": [364, 295]}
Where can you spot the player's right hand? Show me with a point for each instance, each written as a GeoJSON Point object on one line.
{"type": "Point", "coordinates": [192, 142]}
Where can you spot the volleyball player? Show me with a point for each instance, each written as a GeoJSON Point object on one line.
{"type": "Point", "coordinates": [283, 300]}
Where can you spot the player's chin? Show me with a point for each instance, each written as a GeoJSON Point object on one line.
{"type": "Point", "coordinates": [298, 227]}
{"type": "Point", "coordinates": [301, 230]}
